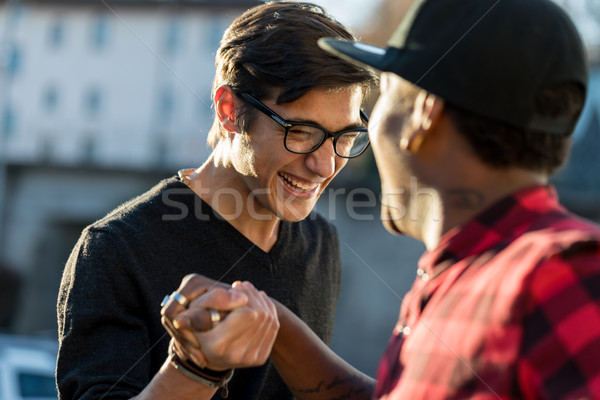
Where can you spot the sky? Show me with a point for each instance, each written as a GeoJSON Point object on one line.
{"type": "Point", "coordinates": [587, 22]}
{"type": "Point", "coordinates": [353, 12]}
{"type": "Point", "coordinates": [349, 12]}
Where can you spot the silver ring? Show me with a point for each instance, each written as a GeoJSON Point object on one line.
{"type": "Point", "coordinates": [215, 317]}
{"type": "Point", "coordinates": [165, 300]}
{"type": "Point", "coordinates": [181, 299]}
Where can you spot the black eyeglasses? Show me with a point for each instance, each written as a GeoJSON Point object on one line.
{"type": "Point", "coordinates": [304, 137]}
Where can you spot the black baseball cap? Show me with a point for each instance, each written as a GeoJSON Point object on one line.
{"type": "Point", "coordinates": [489, 57]}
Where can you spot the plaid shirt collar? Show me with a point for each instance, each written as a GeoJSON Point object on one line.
{"type": "Point", "coordinates": [502, 220]}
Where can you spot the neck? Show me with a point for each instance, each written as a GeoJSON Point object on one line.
{"type": "Point", "coordinates": [218, 184]}
{"type": "Point", "coordinates": [460, 203]}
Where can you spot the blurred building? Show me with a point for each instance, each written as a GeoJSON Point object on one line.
{"type": "Point", "coordinates": [98, 100]}
{"type": "Point", "coordinates": [578, 181]}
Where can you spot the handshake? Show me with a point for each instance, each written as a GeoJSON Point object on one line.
{"type": "Point", "coordinates": [215, 327]}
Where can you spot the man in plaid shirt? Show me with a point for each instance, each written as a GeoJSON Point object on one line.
{"type": "Point", "coordinates": [478, 102]}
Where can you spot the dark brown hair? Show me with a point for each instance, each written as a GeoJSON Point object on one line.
{"type": "Point", "coordinates": [274, 47]}
{"type": "Point", "coordinates": [503, 146]}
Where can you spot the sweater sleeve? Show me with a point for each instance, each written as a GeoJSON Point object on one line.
{"type": "Point", "coordinates": [103, 337]}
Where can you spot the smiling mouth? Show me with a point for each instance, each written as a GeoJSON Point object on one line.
{"type": "Point", "coordinates": [297, 186]}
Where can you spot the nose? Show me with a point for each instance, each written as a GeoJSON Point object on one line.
{"type": "Point", "coordinates": [322, 160]}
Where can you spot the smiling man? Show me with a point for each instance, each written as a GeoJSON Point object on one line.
{"type": "Point", "coordinates": [287, 119]}
{"type": "Point", "coordinates": [479, 99]}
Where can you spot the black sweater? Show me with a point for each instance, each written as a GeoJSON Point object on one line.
{"type": "Point", "coordinates": [111, 339]}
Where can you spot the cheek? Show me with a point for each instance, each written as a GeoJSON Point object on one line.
{"type": "Point", "coordinates": [385, 125]}
{"type": "Point", "coordinates": [389, 130]}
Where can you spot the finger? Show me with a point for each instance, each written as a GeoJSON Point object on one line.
{"type": "Point", "coordinates": [269, 337]}
{"type": "Point", "coordinates": [176, 333]}
{"type": "Point", "coordinates": [224, 299]}
{"type": "Point", "coordinates": [245, 338]}
{"type": "Point", "coordinates": [271, 303]}
{"type": "Point", "coordinates": [186, 353]}
{"type": "Point", "coordinates": [262, 342]}
{"type": "Point", "coordinates": [256, 299]}
{"type": "Point", "coordinates": [194, 285]}
{"type": "Point", "coordinates": [191, 287]}
{"type": "Point", "coordinates": [266, 335]}
{"type": "Point", "coordinates": [197, 317]}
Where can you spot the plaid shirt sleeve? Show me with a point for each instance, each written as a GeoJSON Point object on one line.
{"type": "Point", "coordinates": [560, 353]}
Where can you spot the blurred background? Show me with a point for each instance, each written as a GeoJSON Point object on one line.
{"type": "Point", "coordinates": [99, 100]}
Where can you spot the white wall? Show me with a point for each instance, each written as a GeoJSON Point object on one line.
{"type": "Point", "coordinates": [130, 72]}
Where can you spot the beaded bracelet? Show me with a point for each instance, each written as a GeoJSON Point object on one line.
{"type": "Point", "coordinates": [202, 375]}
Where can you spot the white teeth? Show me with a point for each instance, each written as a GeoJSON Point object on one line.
{"type": "Point", "coordinates": [297, 185]}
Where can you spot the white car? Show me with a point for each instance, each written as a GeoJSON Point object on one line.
{"type": "Point", "coordinates": [27, 366]}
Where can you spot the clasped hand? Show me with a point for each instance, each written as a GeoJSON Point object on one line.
{"type": "Point", "coordinates": [243, 338]}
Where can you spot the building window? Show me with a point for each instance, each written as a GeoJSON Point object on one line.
{"type": "Point", "coordinates": [166, 104]}
{"type": "Point", "coordinates": [11, 62]}
{"type": "Point", "coordinates": [9, 121]}
{"type": "Point", "coordinates": [161, 151]}
{"type": "Point", "coordinates": [47, 148]}
{"type": "Point", "coordinates": [173, 35]}
{"type": "Point", "coordinates": [88, 149]}
{"type": "Point", "coordinates": [56, 33]}
{"type": "Point", "coordinates": [99, 33]}
{"type": "Point", "coordinates": [50, 99]}
{"type": "Point", "coordinates": [92, 102]}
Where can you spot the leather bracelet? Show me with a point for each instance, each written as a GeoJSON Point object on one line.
{"type": "Point", "coordinates": [202, 375]}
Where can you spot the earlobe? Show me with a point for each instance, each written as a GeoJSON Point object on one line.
{"type": "Point", "coordinates": [412, 143]}
{"type": "Point", "coordinates": [226, 108]}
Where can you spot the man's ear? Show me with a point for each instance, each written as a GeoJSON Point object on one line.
{"type": "Point", "coordinates": [424, 119]}
{"type": "Point", "coordinates": [226, 108]}
{"type": "Point", "coordinates": [431, 111]}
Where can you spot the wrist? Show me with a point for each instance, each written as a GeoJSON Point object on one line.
{"type": "Point", "coordinates": [205, 376]}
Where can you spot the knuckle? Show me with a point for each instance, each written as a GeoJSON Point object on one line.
{"type": "Point", "coordinates": [190, 277]}
{"type": "Point", "coordinates": [220, 292]}
{"type": "Point", "coordinates": [252, 315]}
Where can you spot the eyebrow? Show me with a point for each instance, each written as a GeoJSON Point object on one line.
{"type": "Point", "coordinates": [311, 122]}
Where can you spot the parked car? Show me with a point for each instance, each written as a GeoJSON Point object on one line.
{"type": "Point", "coordinates": [27, 366]}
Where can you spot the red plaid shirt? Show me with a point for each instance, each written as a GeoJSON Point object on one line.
{"type": "Point", "coordinates": [508, 307]}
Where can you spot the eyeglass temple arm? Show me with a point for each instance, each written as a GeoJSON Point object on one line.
{"type": "Point", "coordinates": [363, 115]}
{"type": "Point", "coordinates": [261, 107]}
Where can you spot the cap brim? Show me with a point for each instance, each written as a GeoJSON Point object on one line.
{"type": "Point", "coordinates": [354, 52]}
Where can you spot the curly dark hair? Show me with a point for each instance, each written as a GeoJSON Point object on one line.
{"type": "Point", "coordinates": [274, 46]}
{"type": "Point", "coordinates": [502, 146]}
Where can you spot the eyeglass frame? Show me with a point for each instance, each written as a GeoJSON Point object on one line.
{"type": "Point", "coordinates": [286, 124]}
